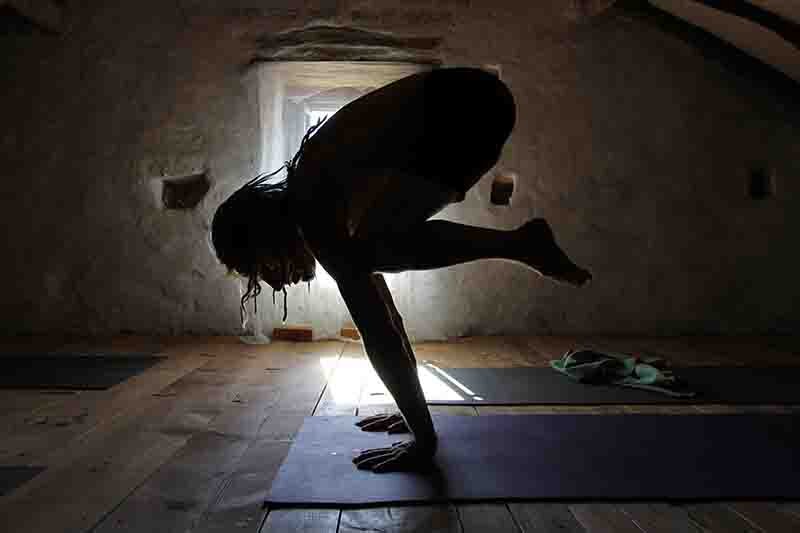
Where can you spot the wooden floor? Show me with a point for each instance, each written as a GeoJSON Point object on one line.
{"type": "Point", "coordinates": [192, 444]}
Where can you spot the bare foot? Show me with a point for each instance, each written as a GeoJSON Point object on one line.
{"type": "Point", "coordinates": [391, 423]}
{"type": "Point", "coordinates": [545, 256]}
{"type": "Point", "coordinates": [399, 457]}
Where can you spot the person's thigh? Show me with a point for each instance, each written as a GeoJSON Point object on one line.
{"type": "Point", "coordinates": [401, 202]}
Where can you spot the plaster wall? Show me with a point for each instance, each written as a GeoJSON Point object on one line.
{"type": "Point", "coordinates": [634, 146]}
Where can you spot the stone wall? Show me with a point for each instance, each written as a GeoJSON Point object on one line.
{"type": "Point", "coordinates": [636, 148]}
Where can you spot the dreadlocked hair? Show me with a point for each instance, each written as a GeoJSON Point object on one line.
{"type": "Point", "coordinates": [239, 224]}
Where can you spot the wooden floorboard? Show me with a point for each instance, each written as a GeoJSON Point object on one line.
{"type": "Point", "coordinates": [239, 506]}
{"type": "Point", "coordinates": [345, 384]}
{"type": "Point", "coordinates": [174, 498]}
{"type": "Point", "coordinates": [181, 495]}
{"type": "Point", "coordinates": [301, 520]}
{"type": "Point", "coordinates": [660, 517]}
{"type": "Point", "coordinates": [543, 517]}
{"type": "Point", "coordinates": [603, 518]}
{"type": "Point", "coordinates": [57, 427]}
{"type": "Point", "coordinates": [481, 517]}
{"type": "Point", "coordinates": [717, 518]}
{"type": "Point", "coordinates": [192, 444]}
{"type": "Point", "coordinates": [765, 516]}
{"type": "Point", "coordinates": [406, 519]}
{"type": "Point", "coordinates": [298, 390]}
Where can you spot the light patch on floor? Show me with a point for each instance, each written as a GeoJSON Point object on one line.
{"type": "Point", "coordinates": [349, 373]}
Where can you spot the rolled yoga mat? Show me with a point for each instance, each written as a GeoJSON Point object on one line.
{"type": "Point", "coordinates": [537, 385]}
{"type": "Point", "coordinates": [86, 372]}
{"type": "Point", "coordinates": [518, 457]}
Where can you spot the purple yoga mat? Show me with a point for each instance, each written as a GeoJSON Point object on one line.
{"type": "Point", "coordinates": [517, 457]}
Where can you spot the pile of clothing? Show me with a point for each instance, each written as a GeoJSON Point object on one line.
{"type": "Point", "coordinates": [649, 373]}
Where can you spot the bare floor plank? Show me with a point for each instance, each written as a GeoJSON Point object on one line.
{"type": "Point", "coordinates": [717, 518]}
{"type": "Point", "coordinates": [82, 491]}
{"type": "Point", "coordinates": [240, 504]}
{"type": "Point", "coordinates": [603, 518]}
{"type": "Point", "coordinates": [281, 426]}
{"type": "Point", "coordinates": [765, 516]}
{"type": "Point", "coordinates": [346, 381]}
{"type": "Point", "coordinates": [486, 518]}
{"type": "Point", "coordinates": [181, 492]}
{"type": "Point", "coordinates": [103, 465]}
{"type": "Point", "coordinates": [297, 389]}
{"type": "Point", "coordinates": [175, 497]}
{"type": "Point", "coordinates": [16, 403]}
{"type": "Point", "coordinates": [411, 519]}
{"type": "Point", "coordinates": [57, 427]}
{"type": "Point", "coordinates": [660, 518]}
{"type": "Point", "coordinates": [178, 412]}
{"type": "Point", "coordinates": [544, 518]}
{"type": "Point", "coordinates": [301, 520]}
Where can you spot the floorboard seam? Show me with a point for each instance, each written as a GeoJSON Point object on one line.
{"type": "Point", "coordinates": [133, 490]}
{"type": "Point", "coordinates": [327, 381]}
{"type": "Point", "coordinates": [514, 518]}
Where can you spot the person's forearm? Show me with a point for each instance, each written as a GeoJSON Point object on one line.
{"type": "Point", "coordinates": [400, 378]}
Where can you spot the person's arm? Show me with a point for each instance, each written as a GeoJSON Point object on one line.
{"type": "Point", "coordinates": [385, 341]}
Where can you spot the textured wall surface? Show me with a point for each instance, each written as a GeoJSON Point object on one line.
{"type": "Point", "coordinates": [635, 147]}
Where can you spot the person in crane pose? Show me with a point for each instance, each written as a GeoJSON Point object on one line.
{"type": "Point", "coordinates": [358, 198]}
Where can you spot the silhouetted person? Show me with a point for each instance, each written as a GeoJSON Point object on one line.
{"type": "Point", "coordinates": [358, 198]}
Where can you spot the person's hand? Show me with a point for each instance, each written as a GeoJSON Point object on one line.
{"type": "Point", "coordinates": [399, 457]}
{"type": "Point", "coordinates": [391, 423]}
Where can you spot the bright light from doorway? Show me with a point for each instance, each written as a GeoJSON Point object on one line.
{"type": "Point", "coordinates": [352, 381]}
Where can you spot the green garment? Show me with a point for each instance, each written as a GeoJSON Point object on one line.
{"type": "Point", "coordinates": [649, 373]}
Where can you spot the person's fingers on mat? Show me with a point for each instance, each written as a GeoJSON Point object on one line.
{"type": "Point", "coordinates": [375, 460]}
{"type": "Point", "coordinates": [370, 463]}
{"type": "Point", "coordinates": [366, 454]}
{"type": "Point", "coordinates": [398, 427]}
{"type": "Point", "coordinates": [377, 425]}
{"type": "Point", "coordinates": [378, 422]}
{"type": "Point", "coordinates": [400, 461]}
{"type": "Point", "coordinates": [369, 420]}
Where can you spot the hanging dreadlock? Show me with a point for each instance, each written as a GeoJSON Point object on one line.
{"type": "Point", "coordinates": [238, 225]}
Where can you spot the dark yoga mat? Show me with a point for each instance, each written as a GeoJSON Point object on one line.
{"type": "Point", "coordinates": [12, 477]}
{"type": "Point", "coordinates": [516, 457]}
{"type": "Point", "coordinates": [86, 372]}
{"type": "Point", "coordinates": [537, 385]}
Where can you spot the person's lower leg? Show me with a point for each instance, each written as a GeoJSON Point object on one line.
{"type": "Point", "coordinates": [439, 243]}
